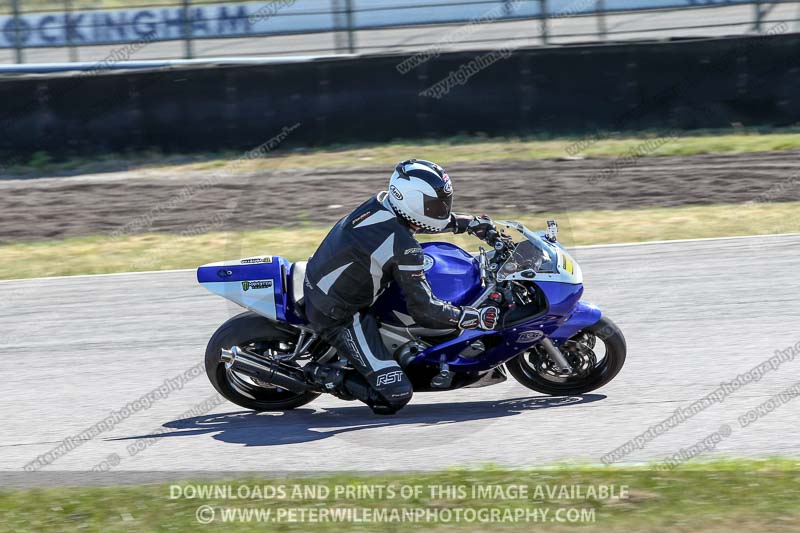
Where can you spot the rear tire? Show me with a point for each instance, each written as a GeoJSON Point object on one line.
{"type": "Point", "coordinates": [604, 330]}
{"type": "Point", "coordinates": [242, 330]}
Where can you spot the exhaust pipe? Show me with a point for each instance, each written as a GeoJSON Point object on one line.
{"type": "Point", "coordinates": [267, 371]}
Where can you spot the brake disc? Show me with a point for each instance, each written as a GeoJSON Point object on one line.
{"type": "Point", "coordinates": [544, 365]}
{"type": "Point", "coordinates": [580, 356]}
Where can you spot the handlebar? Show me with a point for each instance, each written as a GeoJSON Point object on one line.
{"type": "Point", "coordinates": [503, 244]}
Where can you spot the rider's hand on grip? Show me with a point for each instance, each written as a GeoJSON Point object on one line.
{"type": "Point", "coordinates": [484, 318]}
{"type": "Point", "coordinates": [482, 227]}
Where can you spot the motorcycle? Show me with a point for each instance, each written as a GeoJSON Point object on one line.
{"type": "Point", "coordinates": [547, 338]}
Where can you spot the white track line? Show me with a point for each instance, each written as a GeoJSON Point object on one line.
{"type": "Point", "coordinates": [79, 276]}
{"type": "Point", "coordinates": [681, 241]}
{"type": "Point", "coordinates": [584, 247]}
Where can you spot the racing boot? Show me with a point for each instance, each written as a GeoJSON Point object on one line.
{"type": "Point", "coordinates": [357, 385]}
{"type": "Point", "coordinates": [347, 385]}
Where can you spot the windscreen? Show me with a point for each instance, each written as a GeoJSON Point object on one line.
{"type": "Point", "coordinates": [528, 255]}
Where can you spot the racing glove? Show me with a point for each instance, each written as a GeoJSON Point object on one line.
{"type": "Point", "coordinates": [484, 318]}
{"type": "Point", "coordinates": [481, 227]}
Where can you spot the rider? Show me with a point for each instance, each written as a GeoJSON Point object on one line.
{"type": "Point", "coordinates": [360, 256]}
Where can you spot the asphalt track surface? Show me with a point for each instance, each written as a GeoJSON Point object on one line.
{"type": "Point", "coordinates": [645, 25]}
{"type": "Point", "coordinates": [695, 314]}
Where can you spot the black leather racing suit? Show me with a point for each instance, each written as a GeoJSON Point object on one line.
{"type": "Point", "coordinates": [360, 256]}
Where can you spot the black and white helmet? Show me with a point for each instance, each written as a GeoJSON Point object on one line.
{"type": "Point", "coordinates": [421, 192]}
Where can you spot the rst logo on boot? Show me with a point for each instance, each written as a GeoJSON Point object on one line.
{"type": "Point", "coordinates": [390, 377]}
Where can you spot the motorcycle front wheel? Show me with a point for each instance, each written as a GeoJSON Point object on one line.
{"type": "Point", "coordinates": [597, 353]}
{"type": "Point", "coordinates": [255, 334]}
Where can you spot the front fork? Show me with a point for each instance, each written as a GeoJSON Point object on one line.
{"type": "Point", "coordinates": [584, 315]}
{"type": "Point", "coordinates": [556, 356]}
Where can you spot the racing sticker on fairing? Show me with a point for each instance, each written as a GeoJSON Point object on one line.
{"type": "Point", "coordinates": [255, 260]}
{"type": "Point", "coordinates": [568, 266]}
{"type": "Point", "coordinates": [527, 337]}
{"type": "Point", "coordinates": [262, 284]}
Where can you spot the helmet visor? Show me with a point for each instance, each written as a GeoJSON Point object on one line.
{"type": "Point", "coordinates": [438, 208]}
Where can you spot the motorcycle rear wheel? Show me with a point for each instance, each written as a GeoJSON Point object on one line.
{"type": "Point", "coordinates": [527, 370]}
{"type": "Point", "coordinates": [255, 333]}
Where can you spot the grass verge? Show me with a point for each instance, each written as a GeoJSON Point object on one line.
{"type": "Point", "coordinates": [159, 251]}
{"type": "Point", "coordinates": [741, 495]}
{"type": "Point", "coordinates": [472, 149]}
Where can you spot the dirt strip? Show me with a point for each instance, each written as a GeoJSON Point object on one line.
{"type": "Point", "coordinates": [112, 203]}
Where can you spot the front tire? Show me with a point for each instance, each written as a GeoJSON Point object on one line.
{"type": "Point", "coordinates": [256, 332]}
{"type": "Point", "coordinates": [528, 370]}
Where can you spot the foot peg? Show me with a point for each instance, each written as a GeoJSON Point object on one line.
{"type": "Point", "coordinates": [444, 378]}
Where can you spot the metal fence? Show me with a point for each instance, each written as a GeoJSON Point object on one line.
{"type": "Point", "coordinates": [47, 31]}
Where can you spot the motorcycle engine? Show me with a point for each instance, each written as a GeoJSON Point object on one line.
{"type": "Point", "coordinates": [409, 351]}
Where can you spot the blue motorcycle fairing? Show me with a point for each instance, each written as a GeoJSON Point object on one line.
{"type": "Point", "coordinates": [561, 297]}
{"type": "Point", "coordinates": [564, 316]}
{"type": "Point", "coordinates": [260, 284]}
{"type": "Point", "coordinates": [583, 316]}
{"type": "Point", "coordinates": [505, 344]}
{"type": "Point", "coordinates": [453, 274]}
